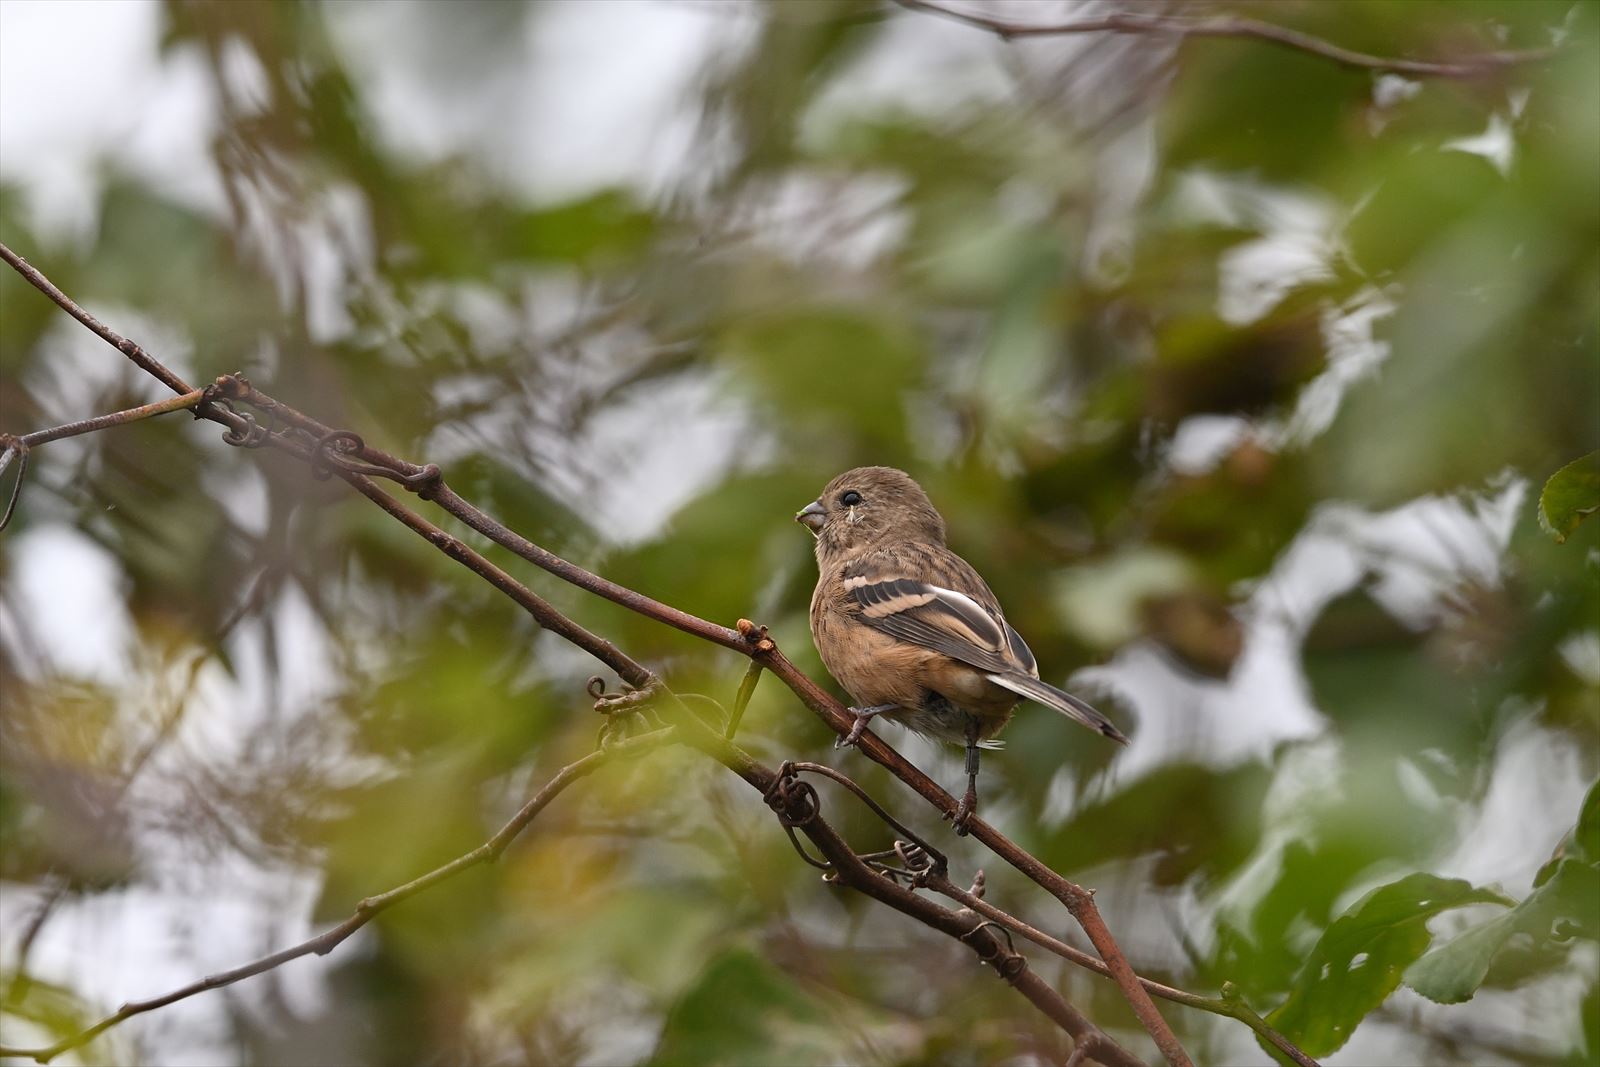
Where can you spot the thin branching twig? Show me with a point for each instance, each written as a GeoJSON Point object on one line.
{"type": "Point", "coordinates": [116, 418]}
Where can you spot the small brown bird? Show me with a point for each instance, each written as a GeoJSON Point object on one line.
{"type": "Point", "coordinates": [911, 630]}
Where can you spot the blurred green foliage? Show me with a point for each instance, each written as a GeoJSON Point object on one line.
{"type": "Point", "coordinates": [1236, 373]}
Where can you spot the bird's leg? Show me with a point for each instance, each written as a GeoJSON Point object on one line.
{"type": "Point", "coordinates": [969, 802]}
{"type": "Point", "coordinates": [862, 715]}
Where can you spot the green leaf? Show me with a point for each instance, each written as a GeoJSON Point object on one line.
{"type": "Point", "coordinates": [1453, 972]}
{"type": "Point", "coordinates": [1361, 956]}
{"type": "Point", "coordinates": [1571, 495]}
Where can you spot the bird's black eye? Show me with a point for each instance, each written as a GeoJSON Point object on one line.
{"type": "Point", "coordinates": [850, 499]}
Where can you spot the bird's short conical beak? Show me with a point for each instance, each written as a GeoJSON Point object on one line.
{"type": "Point", "coordinates": [813, 515]}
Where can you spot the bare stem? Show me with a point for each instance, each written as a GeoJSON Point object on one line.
{"type": "Point", "coordinates": [145, 361]}
{"type": "Point", "coordinates": [116, 418]}
{"type": "Point", "coordinates": [543, 612]}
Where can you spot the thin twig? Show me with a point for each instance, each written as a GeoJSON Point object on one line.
{"type": "Point", "coordinates": [1183, 26]}
{"type": "Point", "coordinates": [145, 361]}
{"type": "Point", "coordinates": [367, 909]}
{"type": "Point", "coordinates": [441, 494]}
{"type": "Point", "coordinates": [542, 611]}
{"type": "Point", "coordinates": [13, 446]}
{"type": "Point", "coordinates": [116, 418]}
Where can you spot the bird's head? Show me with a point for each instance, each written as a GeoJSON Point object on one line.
{"type": "Point", "coordinates": [869, 506]}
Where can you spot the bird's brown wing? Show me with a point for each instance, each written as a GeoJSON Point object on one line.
{"type": "Point", "coordinates": [929, 610]}
{"type": "Point", "coordinates": [964, 624]}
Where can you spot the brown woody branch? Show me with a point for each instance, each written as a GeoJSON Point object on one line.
{"type": "Point", "coordinates": [13, 447]}
{"type": "Point", "coordinates": [754, 642]}
{"type": "Point", "coordinates": [847, 869]}
{"type": "Point", "coordinates": [358, 464]}
{"type": "Point", "coordinates": [144, 360]}
{"type": "Point", "coordinates": [116, 418]}
{"type": "Point", "coordinates": [1475, 65]}
{"type": "Point", "coordinates": [542, 611]}
{"type": "Point", "coordinates": [1232, 1005]}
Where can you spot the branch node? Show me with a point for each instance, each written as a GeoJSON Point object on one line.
{"type": "Point", "coordinates": [333, 444]}
{"type": "Point", "coordinates": [1007, 962]}
{"type": "Point", "coordinates": [424, 482]}
{"type": "Point", "coordinates": [1086, 1047]}
{"type": "Point", "coordinates": [793, 799]}
{"type": "Point", "coordinates": [251, 435]}
{"type": "Point", "coordinates": [232, 386]}
{"type": "Point", "coordinates": [755, 635]}
{"type": "Point", "coordinates": [630, 699]}
{"type": "Point", "coordinates": [623, 710]}
{"type": "Point", "coordinates": [14, 446]}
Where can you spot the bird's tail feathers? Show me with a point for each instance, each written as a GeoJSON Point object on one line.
{"type": "Point", "coordinates": [1044, 693]}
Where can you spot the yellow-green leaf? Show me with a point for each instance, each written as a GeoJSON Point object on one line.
{"type": "Point", "coordinates": [1571, 495]}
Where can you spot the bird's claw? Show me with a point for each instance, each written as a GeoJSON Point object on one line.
{"type": "Point", "coordinates": [964, 812]}
{"type": "Point", "coordinates": [862, 715]}
{"type": "Point", "coordinates": [850, 739]}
